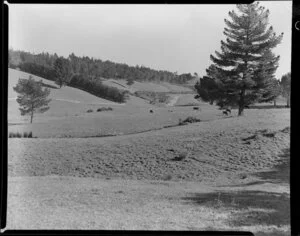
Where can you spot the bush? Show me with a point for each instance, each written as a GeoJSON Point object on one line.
{"type": "Point", "coordinates": [104, 109]}
{"type": "Point", "coordinates": [19, 135]}
{"type": "Point", "coordinates": [167, 177]}
{"type": "Point", "coordinates": [89, 111]}
{"type": "Point", "coordinates": [190, 119]}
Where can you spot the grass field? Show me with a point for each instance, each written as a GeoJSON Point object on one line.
{"type": "Point", "coordinates": [146, 86]}
{"type": "Point", "coordinates": [232, 174]}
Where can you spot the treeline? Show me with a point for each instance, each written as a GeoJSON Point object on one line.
{"type": "Point", "coordinates": [96, 87]}
{"type": "Point", "coordinates": [57, 69]}
{"type": "Point", "coordinates": [96, 68]}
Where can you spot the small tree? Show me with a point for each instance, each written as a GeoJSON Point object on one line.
{"type": "Point", "coordinates": [130, 81]}
{"type": "Point", "coordinates": [286, 87]}
{"type": "Point", "coordinates": [32, 97]}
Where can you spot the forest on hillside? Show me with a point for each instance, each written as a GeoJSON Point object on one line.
{"type": "Point", "coordinates": [92, 68]}
{"type": "Point", "coordinates": [87, 73]}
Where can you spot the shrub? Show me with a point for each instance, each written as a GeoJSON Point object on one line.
{"type": "Point", "coordinates": [104, 109]}
{"type": "Point", "coordinates": [19, 135]}
{"type": "Point", "coordinates": [89, 110]}
{"type": "Point", "coordinates": [189, 119]}
{"type": "Point", "coordinates": [167, 177]}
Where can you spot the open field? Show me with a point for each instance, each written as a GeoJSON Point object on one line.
{"type": "Point", "coordinates": [232, 174]}
{"type": "Point", "coordinates": [145, 86]}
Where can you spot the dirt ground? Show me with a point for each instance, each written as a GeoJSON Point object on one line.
{"type": "Point", "coordinates": [233, 174]}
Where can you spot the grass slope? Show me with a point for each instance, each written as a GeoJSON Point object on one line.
{"type": "Point", "coordinates": [146, 86]}
{"type": "Point", "coordinates": [66, 101]}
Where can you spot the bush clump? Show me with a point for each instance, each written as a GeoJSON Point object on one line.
{"type": "Point", "coordinates": [104, 109]}
{"type": "Point", "coordinates": [20, 135]}
{"type": "Point", "coordinates": [89, 111]}
{"type": "Point", "coordinates": [189, 119]}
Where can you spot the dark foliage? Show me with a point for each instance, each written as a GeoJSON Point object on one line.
{"type": "Point", "coordinates": [96, 68]}
{"type": "Point", "coordinates": [38, 70]}
{"type": "Point", "coordinates": [96, 88]}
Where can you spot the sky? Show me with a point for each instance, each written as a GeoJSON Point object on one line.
{"type": "Point", "coordinates": [178, 38]}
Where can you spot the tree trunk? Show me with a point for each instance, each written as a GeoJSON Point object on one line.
{"type": "Point", "coordinates": [275, 103]}
{"type": "Point", "coordinates": [241, 103]}
{"type": "Point", "coordinates": [31, 117]}
{"type": "Point", "coordinates": [32, 110]}
{"type": "Point", "coordinates": [288, 101]}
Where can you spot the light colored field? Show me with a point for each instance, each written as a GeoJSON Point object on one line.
{"type": "Point", "coordinates": [55, 202]}
{"type": "Point", "coordinates": [118, 182]}
{"type": "Point", "coordinates": [216, 150]}
{"type": "Point", "coordinates": [66, 101]}
{"type": "Point", "coordinates": [146, 86]}
{"type": "Point", "coordinates": [67, 116]}
{"type": "Point", "coordinates": [63, 94]}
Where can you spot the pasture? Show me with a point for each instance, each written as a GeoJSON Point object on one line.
{"type": "Point", "coordinates": [234, 174]}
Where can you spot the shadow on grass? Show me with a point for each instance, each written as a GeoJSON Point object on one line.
{"type": "Point", "coordinates": [281, 172]}
{"type": "Point", "coordinates": [267, 107]}
{"type": "Point", "coordinates": [250, 207]}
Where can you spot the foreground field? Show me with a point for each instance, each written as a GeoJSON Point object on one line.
{"type": "Point", "coordinates": [56, 202]}
{"type": "Point", "coordinates": [234, 175]}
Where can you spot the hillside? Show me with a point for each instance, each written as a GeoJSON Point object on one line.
{"type": "Point", "coordinates": [146, 86]}
{"type": "Point", "coordinates": [65, 101]}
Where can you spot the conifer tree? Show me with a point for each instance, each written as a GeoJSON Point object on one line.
{"type": "Point", "coordinates": [32, 98]}
{"type": "Point", "coordinates": [245, 67]}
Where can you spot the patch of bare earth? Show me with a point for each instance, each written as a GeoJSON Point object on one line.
{"type": "Point", "coordinates": [227, 177]}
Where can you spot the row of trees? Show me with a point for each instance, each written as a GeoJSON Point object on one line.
{"type": "Point", "coordinates": [210, 91]}
{"type": "Point", "coordinates": [243, 72]}
{"type": "Point", "coordinates": [94, 68]}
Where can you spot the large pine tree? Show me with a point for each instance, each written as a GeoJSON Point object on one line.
{"type": "Point", "coordinates": [245, 67]}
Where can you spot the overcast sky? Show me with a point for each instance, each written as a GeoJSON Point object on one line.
{"type": "Point", "coordinates": [168, 37]}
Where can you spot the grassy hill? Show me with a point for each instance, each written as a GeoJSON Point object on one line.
{"type": "Point", "coordinates": [66, 101]}
{"type": "Point", "coordinates": [146, 86]}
